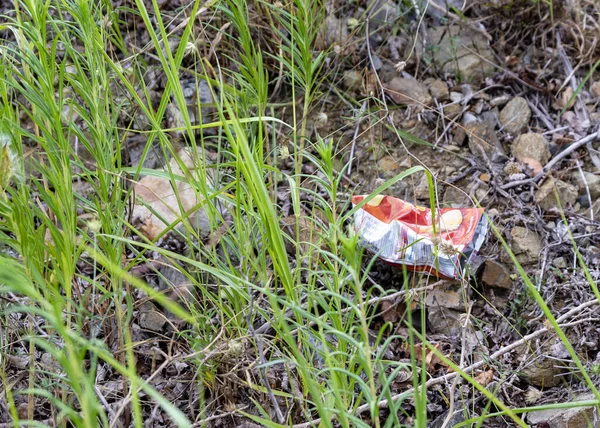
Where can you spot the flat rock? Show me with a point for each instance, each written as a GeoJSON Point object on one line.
{"type": "Point", "coordinates": [525, 244]}
{"type": "Point", "coordinates": [531, 145]}
{"type": "Point", "coordinates": [408, 91]}
{"type": "Point", "coordinates": [579, 417]}
{"type": "Point", "coordinates": [334, 31]}
{"type": "Point", "coordinates": [448, 295]}
{"type": "Point", "coordinates": [151, 319]}
{"type": "Point", "coordinates": [542, 373]}
{"type": "Point", "coordinates": [158, 206]}
{"type": "Point", "coordinates": [595, 89]}
{"type": "Point", "coordinates": [439, 90]}
{"type": "Point", "coordinates": [515, 115]}
{"type": "Point", "coordinates": [592, 181]}
{"type": "Point", "coordinates": [496, 274]}
{"type": "Point", "coordinates": [445, 321]}
{"type": "Point", "coordinates": [546, 198]}
{"type": "Point", "coordinates": [483, 137]}
{"type": "Point", "coordinates": [461, 51]}
{"type": "Point", "coordinates": [383, 12]}
{"type": "Point", "coordinates": [353, 80]}
{"type": "Point", "coordinates": [457, 417]}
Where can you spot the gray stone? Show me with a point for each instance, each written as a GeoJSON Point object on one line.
{"type": "Point", "coordinates": [496, 275]}
{"type": "Point", "coordinates": [462, 52]}
{"type": "Point", "coordinates": [595, 89]}
{"type": "Point", "coordinates": [546, 198]}
{"type": "Point", "coordinates": [448, 295]}
{"type": "Point", "coordinates": [445, 321]}
{"type": "Point", "coordinates": [541, 372]}
{"type": "Point", "coordinates": [439, 90]}
{"type": "Point", "coordinates": [442, 6]}
{"type": "Point", "coordinates": [408, 91]}
{"type": "Point", "coordinates": [482, 137]}
{"type": "Point", "coordinates": [525, 244]}
{"type": "Point", "coordinates": [456, 97]}
{"type": "Point", "coordinates": [458, 416]}
{"type": "Point", "coordinates": [334, 31]}
{"type": "Point", "coordinates": [353, 80]}
{"type": "Point", "coordinates": [577, 417]}
{"type": "Point", "coordinates": [559, 263]}
{"type": "Point", "coordinates": [382, 12]}
{"type": "Point", "coordinates": [151, 319]}
{"type": "Point", "coordinates": [592, 180]}
{"type": "Point", "coordinates": [531, 145]}
{"type": "Point", "coordinates": [515, 115]}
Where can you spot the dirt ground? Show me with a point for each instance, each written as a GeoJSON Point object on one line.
{"type": "Point", "coordinates": [500, 101]}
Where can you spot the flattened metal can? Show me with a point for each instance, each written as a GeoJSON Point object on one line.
{"type": "Point", "coordinates": [442, 242]}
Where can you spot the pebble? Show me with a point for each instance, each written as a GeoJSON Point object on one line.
{"type": "Point", "coordinates": [496, 274]}
{"type": "Point", "coordinates": [531, 145]}
{"type": "Point", "coordinates": [546, 198]}
{"type": "Point", "coordinates": [595, 89]}
{"type": "Point", "coordinates": [462, 52]}
{"type": "Point", "coordinates": [408, 91]}
{"type": "Point", "coordinates": [334, 31]}
{"type": "Point", "coordinates": [445, 321]}
{"type": "Point", "coordinates": [439, 90]}
{"type": "Point", "coordinates": [515, 115]}
{"type": "Point", "coordinates": [576, 417]}
{"type": "Point", "coordinates": [559, 263]}
{"type": "Point", "coordinates": [448, 295]}
{"type": "Point", "coordinates": [483, 137]}
{"type": "Point", "coordinates": [592, 180]}
{"type": "Point", "coordinates": [151, 319]}
{"type": "Point", "coordinates": [352, 80]}
{"type": "Point", "coordinates": [526, 245]}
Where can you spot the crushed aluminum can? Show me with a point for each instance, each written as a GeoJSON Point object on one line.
{"type": "Point", "coordinates": [401, 233]}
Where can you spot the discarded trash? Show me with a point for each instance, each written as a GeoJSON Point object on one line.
{"type": "Point", "coordinates": [401, 233]}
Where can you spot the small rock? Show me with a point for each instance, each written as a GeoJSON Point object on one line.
{"type": "Point", "coordinates": [559, 263]}
{"type": "Point", "coordinates": [408, 91]}
{"type": "Point", "coordinates": [499, 101]}
{"type": "Point", "coordinates": [388, 165]}
{"type": "Point", "coordinates": [439, 90]}
{"type": "Point", "coordinates": [452, 111]}
{"type": "Point", "coordinates": [334, 31]}
{"type": "Point", "coordinates": [577, 417]}
{"type": "Point", "coordinates": [158, 206]}
{"type": "Point", "coordinates": [496, 275]}
{"type": "Point", "coordinates": [442, 320]}
{"type": "Point", "coordinates": [542, 373]}
{"type": "Point", "coordinates": [458, 416]}
{"type": "Point", "coordinates": [483, 137]}
{"type": "Point", "coordinates": [382, 12]}
{"type": "Point", "coordinates": [443, 5]}
{"type": "Point", "coordinates": [454, 48]}
{"type": "Point", "coordinates": [534, 164]}
{"type": "Point", "coordinates": [531, 145]}
{"type": "Point", "coordinates": [353, 80]}
{"type": "Point", "coordinates": [526, 245]}
{"type": "Point", "coordinates": [515, 115]}
{"type": "Point", "coordinates": [456, 97]}
{"type": "Point", "coordinates": [595, 89]}
{"type": "Point", "coordinates": [151, 319]}
{"type": "Point", "coordinates": [422, 189]}
{"type": "Point", "coordinates": [592, 180]}
{"type": "Point", "coordinates": [448, 295]}
{"type": "Point", "coordinates": [456, 197]}
{"type": "Point", "coordinates": [546, 198]}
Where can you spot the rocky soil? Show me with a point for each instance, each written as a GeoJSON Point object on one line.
{"type": "Point", "coordinates": [491, 106]}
